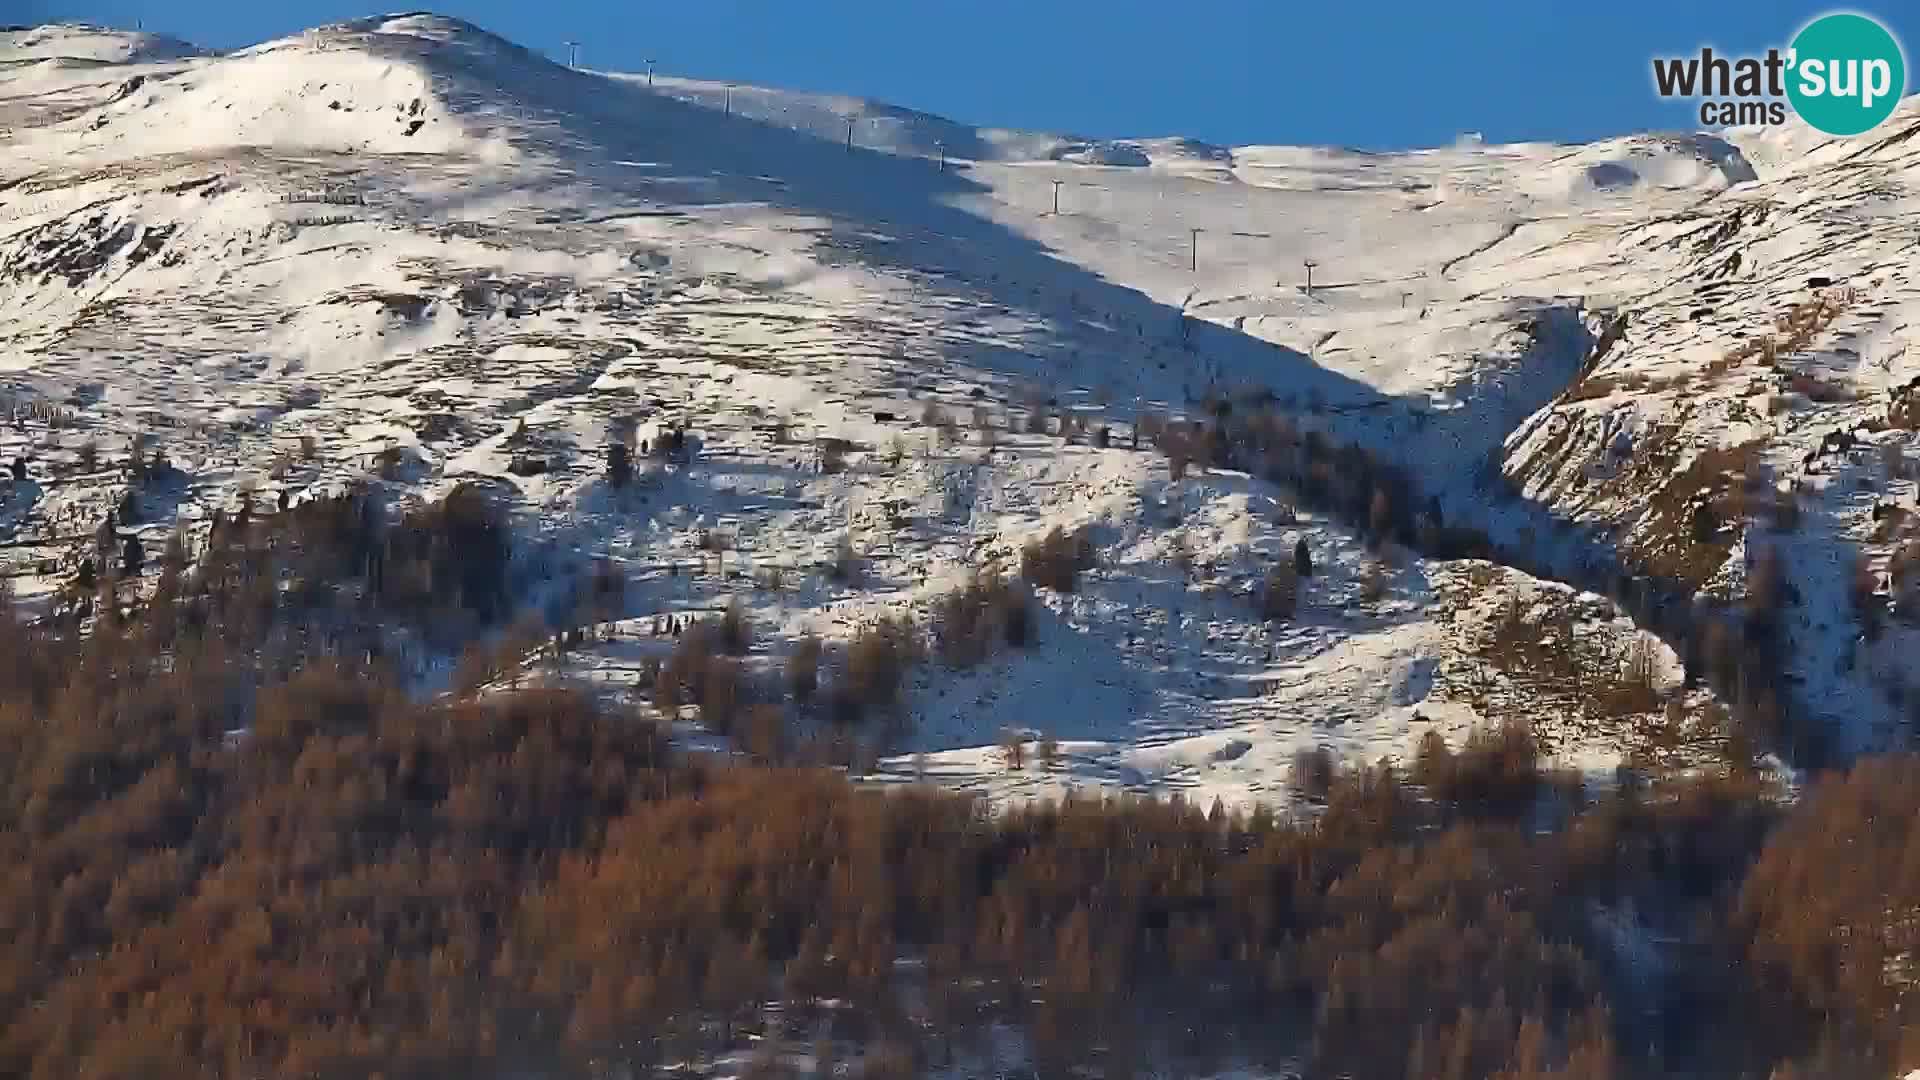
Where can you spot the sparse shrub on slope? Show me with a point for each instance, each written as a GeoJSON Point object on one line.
{"type": "Point", "coordinates": [974, 620]}
{"type": "Point", "coordinates": [341, 567]}
{"type": "Point", "coordinates": [1179, 447]}
{"type": "Point", "coordinates": [735, 630]}
{"type": "Point", "coordinates": [845, 568]}
{"type": "Point", "coordinates": [1013, 750]}
{"type": "Point", "coordinates": [875, 668]}
{"type": "Point", "coordinates": [1036, 415]}
{"type": "Point", "coordinates": [1821, 389]}
{"type": "Point", "coordinates": [1056, 560]}
{"type": "Point", "coordinates": [1638, 688]}
{"type": "Point", "coordinates": [702, 670]}
{"type": "Point", "coordinates": [1497, 773]}
{"type": "Point", "coordinates": [461, 543]}
{"type": "Point", "coordinates": [803, 668]}
{"type": "Point", "coordinates": [722, 694]}
{"type": "Point", "coordinates": [680, 678]}
{"type": "Point", "coordinates": [1374, 581]}
{"type": "Point", "coordinates": [1280, 592]}
{"type": "Point", "coordinates": [1314, 771]}
{"type": "Point", "coordinates": [619, 464]}
{"type": "Point", "coordinates": [1047, 752]}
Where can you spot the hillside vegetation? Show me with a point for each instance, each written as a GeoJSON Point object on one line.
{"type": "Point", "coordinates": [526, 883]}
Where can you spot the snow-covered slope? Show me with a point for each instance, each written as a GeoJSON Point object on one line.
{"type": "Point", "coordinates": [81, 44]}
{"type": "Point", "coordinates": [1766, 350]}
{"type": "Point", "coordinates": [402, 235]}
{"type": "Point", "coordinates": [873, 125]}
{"type": "Point", "coordinates": [52, 73]}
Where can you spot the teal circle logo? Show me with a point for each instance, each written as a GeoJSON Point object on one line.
{"type": "Point", "coordinates": [1846, 74]}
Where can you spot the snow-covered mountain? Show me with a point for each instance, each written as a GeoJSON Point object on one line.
{"type": "Point", "coordinates": [404, 237]}
{"type": "Point", "coordinates": [79, 45]}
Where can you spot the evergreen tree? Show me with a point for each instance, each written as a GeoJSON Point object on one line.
{"type": "Point", "coordinates": [619, 464]}
{"type": "Point", "coordinates": [175, 555]}
{"type": "Point", "coordinates": [132, 557]}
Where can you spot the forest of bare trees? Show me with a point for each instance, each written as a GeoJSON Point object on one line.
{"type": "Point", "coordinates": [529, 883]}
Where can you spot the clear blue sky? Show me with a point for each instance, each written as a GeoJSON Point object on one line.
{"type": "Point", "coordinates": [1364, 73]}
